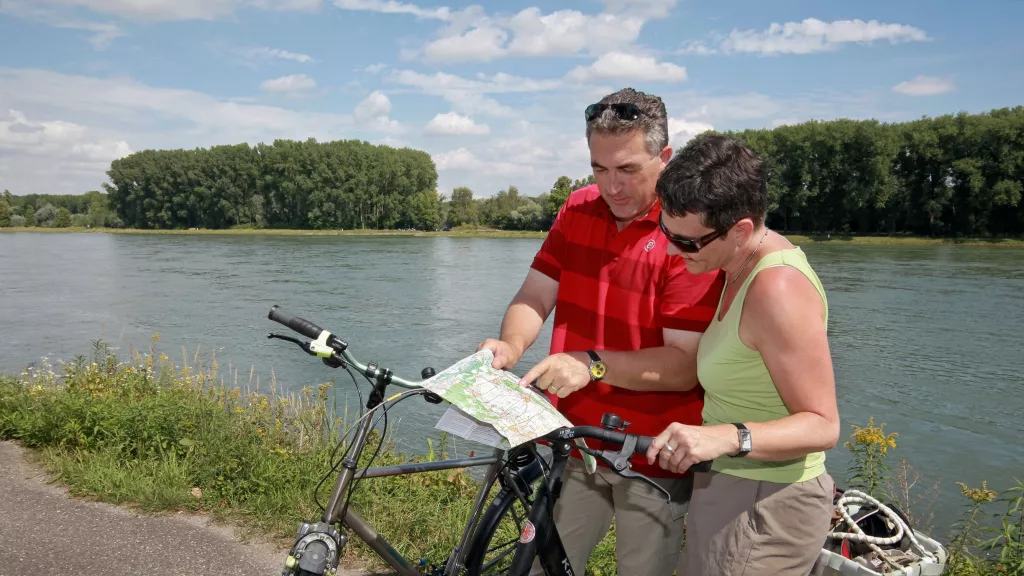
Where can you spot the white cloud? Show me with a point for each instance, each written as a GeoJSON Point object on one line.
{"type": "Point", "coordinates": [182, 9]}
{"type": "Point", "coordinates": [393, 7]}
{"type": "Point", "coordinates": [266, 53]}
{"type": "Point", "coordinates": [623, 66]}
{"type": "Point", "coordinates": [925, 86]}
{"type": "Point", "coordinates": [680, 131]}
{"type": "Point", "coordinates": [478, 38]}
{"type": "Point", "coordinates": [104, 33]}
{"type": "Point", "coordinates": [85, 122]}
{"type": "Point", "coordinates": [374, 110]}
{"type": "Point", "coordinates": [644, 8]}
{"type": "Point", "coordinates": [373, 68]}
{"type": "Point", "coordinates": [458, 159]}
{"type": "Point", "coordinates": [455, 124]}
{"type": "Point", "coordinates": [292, 83]}
{"type": "Point", "coordinates": [158, 9]}
{"type": "Point", "coordinates": [442, 83]}
{"type": "Point", "coordinates": [35, 151]}
{"type": "Point", "coordinates": [808, 36]}
{"type": "Point", "coordinates": [481, 44]}
{"type": "Point", "coordinates": [287, 5]}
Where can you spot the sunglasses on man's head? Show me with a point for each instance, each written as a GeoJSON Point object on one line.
{"type": "Point", "coordinates": [623, 111]}
{"type": "Point", "coordinates": [690, 245]}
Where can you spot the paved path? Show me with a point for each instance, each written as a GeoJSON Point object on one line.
{"type": "Point", "coordinates": [44, 531]}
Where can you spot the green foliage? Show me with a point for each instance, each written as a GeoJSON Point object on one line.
{"type": "Point", "coordinates": [342, 184]}
{"type": "Point", "coordinates": [870, 446]}
{"type": "Point", "coordinates": [63, 219]}
{"type": "Point", "coordinates": [5, 213]}
{"type": "Point", "coordinates": [953, 175]}
{"type": "Point", "coordinates": [17, 221]}
{"type": "Point", "coordinates": [46, 216]}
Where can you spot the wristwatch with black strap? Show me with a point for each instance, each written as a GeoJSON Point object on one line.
{"type": "Point", "coordinates": [744, 436]}
{"type": "Point", "coordinates": [597, 367]}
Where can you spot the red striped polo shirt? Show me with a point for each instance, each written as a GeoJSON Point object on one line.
{"type": "Point", "coordinates": [617, 290]}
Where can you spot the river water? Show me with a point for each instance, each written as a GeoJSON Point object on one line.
{"type": "Point", "coordinates": [925, 339]}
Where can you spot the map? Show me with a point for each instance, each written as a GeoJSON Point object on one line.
{"type": "Point", "coordinates": [494, 398]}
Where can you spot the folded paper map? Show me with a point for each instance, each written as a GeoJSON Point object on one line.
{"type": "Point", "coordinates": [494, 402]}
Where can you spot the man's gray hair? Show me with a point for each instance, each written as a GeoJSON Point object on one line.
{"type": "Point", "coordinates": [653, 120]}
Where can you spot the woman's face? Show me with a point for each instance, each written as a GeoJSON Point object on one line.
{"type": "Point", "coordinates": [715, 250]}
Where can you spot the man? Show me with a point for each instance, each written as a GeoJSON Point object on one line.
{"type": "Point", "coordinates": [627, 322]}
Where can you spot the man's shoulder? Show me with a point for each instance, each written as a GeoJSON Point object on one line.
{"type": "Point", "coordinates": [586, 199]}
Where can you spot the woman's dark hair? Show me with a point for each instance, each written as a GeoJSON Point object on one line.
{"type": "Point", "coordinates": [718, 177]}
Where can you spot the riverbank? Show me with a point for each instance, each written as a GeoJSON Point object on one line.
{"type": "Point", "coordinates": [798, 239]}
{"type": "Point", "coordinates": [157, 437]}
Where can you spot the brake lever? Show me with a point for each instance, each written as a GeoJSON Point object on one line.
{"type": "Point", "coordinates": [619, 462]}
{"type": "Point", "coordinates": [300, 343]}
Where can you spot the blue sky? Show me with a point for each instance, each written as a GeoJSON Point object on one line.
{"type": "Point", "coordinates": [493, 91]}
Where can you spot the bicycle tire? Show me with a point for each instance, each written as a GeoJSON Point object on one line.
{"type": "Point", "coordinates": [480, 543]}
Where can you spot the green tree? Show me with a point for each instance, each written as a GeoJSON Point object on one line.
{"type": "Point", "coordinates": [46, 216]}
{"type": "Point", "coordinates": [5, 212]}
{"type": "Point", "coordinates": [63, 218]}
{"type": "Point", "coordinates": [463, 210]}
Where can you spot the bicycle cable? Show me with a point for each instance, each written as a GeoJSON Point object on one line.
{"type": "Point", "coordinates": [341, 440]}
{"type": "Point", "coordinates": [348, 431]}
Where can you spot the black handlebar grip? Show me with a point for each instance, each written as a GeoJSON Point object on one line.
{"type": "Point", "coordinates": [643, 443]}
{"type": "Point", "coordinates": [300, 325]}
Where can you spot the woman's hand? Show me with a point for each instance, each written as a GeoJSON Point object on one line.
{"type": "Point", "coordinates": [680, 446]}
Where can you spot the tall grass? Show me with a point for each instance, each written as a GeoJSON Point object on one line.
{"type": "Point", "coordinates": [145, 433]}
{"type": "Point", "coordinates": [141, 431]}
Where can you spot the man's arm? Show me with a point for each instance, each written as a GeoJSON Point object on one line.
{"type": "Point", "coordinates": [523, 319]}
{"type": "Point", "coordinates": [672, 367]}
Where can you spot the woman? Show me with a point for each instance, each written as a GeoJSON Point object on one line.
{"type": "Point", "coordinates": [770, 403]}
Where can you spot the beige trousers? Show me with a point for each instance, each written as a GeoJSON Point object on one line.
{"type": "Point", "coordinates": [741, 527]}
{"type": "Point", "coordinates": [648, 530]}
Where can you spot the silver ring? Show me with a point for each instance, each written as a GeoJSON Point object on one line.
{"type": "Point", "coordinates": [669, 448]}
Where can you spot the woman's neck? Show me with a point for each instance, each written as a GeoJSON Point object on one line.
{"type": "Point", "coordinates": [746, 255]}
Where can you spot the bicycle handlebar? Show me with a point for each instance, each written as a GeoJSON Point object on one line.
{"type": "Point", "coordinates": [643, 443]}
{"type": "Point", "coordinates": [338, 346]}
{"type": "Point", "coordinates": [300, 325]}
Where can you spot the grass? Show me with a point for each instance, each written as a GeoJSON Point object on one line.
{"type": "Point", "coordinates": [484, 232]}
{"type": "Point", "coordinates": [144, 433]}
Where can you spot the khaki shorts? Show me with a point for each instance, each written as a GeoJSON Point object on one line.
{"type": "Point", "coordinates": [648, 530]}
{"type": "Point", "coordinates": [741, 527]}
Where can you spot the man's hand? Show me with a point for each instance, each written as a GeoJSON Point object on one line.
{"type": "Point", "coordinates": [505, 355]}
{"type": "Point", "coordinates": [560, 374]}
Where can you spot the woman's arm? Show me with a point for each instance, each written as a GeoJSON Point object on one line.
{"type": "Point", "coordinates": [783, 319]}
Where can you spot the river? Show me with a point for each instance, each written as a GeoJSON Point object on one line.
{"type": "Point", "coordinates": [925, 339]}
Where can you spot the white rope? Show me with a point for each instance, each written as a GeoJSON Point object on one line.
{"type": "Point", "coordinates": [858, 535]}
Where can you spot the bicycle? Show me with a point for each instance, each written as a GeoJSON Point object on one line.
{"type": "Point", "coordinates": [318, 545]}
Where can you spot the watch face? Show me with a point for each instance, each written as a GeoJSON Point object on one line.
{"type": "Point", "coordinates": [597, 370]}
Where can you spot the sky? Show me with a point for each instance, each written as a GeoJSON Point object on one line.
{"type": "Point", "coordinates": [493, 91]}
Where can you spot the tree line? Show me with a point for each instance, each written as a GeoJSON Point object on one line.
{"type": "Point", "coordinates": [951, 175]}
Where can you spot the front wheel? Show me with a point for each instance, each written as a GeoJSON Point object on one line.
{"type": "Point", "coordinates": [494, 541]}
{"type": "Point", "coordinates": [497, 534]}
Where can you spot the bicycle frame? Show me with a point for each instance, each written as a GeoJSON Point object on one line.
{"type": "Point", "coordinates": [338, 510]}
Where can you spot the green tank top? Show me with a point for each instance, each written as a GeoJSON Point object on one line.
{"type": "Point", "coordinates": [738, 387]}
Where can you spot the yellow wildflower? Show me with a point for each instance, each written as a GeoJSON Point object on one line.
{"type": "Point", "coordinates": [982, 494]}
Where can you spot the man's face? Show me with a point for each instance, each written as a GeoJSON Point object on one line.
{"type": "Point", "coordinates": [625, 172]}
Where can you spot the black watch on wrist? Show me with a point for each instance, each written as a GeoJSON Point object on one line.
{"type": "Point", "coordinates": [597, 367]}
{"type": "Point", "coordinates": [744, 436]}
